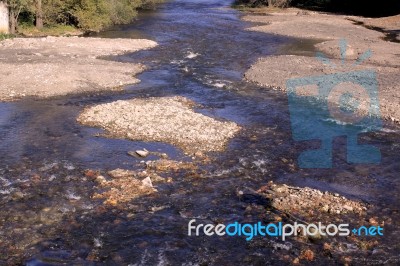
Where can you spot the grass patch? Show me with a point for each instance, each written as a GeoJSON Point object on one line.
{"type": "Point", "coordinates": [56, 30]}
{"type": "Point", "coordinates": [4, 36]}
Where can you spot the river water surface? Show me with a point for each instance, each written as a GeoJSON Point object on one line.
{"type": "Point", "coordinates": [204, 50]}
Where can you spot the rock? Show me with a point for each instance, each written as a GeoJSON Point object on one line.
{"type": "Point", "coordinates": [132, 153]}
{"type": "Point", "coordinates": [346, 260]}
{"type": "Point", "coordinates": [97, 243]}
{"type": "Point", "coordinates": [69, 166]}
{"type": "Point", "coordinates": [36, 178]}
{"type": "Point", "coordinates": [373, 221]}
{"type": "Point", "coordinates": [147, 182]}
{"type": "Point", "coordinates": [327, 246]}
{"type": "Point", "coordinates": [276, 218]}
{"type": "Point", "coordinates": [71, 196]}
{"type": "Point", "coordinates": [280, 189]}
{"type": "Point", "coordinates": [48, 167]}
{"type": "Point", "coordinates": [91, 173]}
{"type": "Point", "coordinates": [18, 195]}
{"type": "Point", "coordinates": [307, 201]}
{"type": "Point", "coordinates": [142, 153]}
{"type": "Point", "coordinates": [157, 178]}
{"type": "Point", "coordinates": [307, 254]}
{"type": "Point", "coordinates": [347, 207]}
{"type": "Point", "coordinates": [158, 208]}
{"type": "Point", "coordinates": [100, 179]}
{"type": "Point", "coordinates": [199, 154]}
{"type": "Point", "coordinates": [119, 173]}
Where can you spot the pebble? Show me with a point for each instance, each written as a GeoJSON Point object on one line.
{"type": "Point", "coordinates": [100, 179]}
{"type": "Point", "coordinates": [18, 195]}
{"type": "Point", "coordinates": [120, 173]}
{"type": "Point", "coordinates": [307, 255]}
{"type": "Point", "coordinates": [373, 221]}
{"type": "Point", "coordinates": [327, 246]}
{"type": "Point", "coordinates": [347, 207]}
{"type": "Point", "coordinates": [147, 182]}
{"type": "Point", "coordinates": [142, 153]}
{"type": "Point", "coordinates": [325, 208]}
{"type": "Point", "coordinates": [198, 154]}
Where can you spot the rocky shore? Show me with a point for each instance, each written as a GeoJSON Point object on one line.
{"type": "Point", "coordinates": [53, 66]}
{"type": "Point", "coordinates": [328, 29]}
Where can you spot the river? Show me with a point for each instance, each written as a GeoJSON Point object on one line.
{"type": "Point", "coordinates": [204, 50]}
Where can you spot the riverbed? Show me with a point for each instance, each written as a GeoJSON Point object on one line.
{"type": "Point", "coordinates": [50, 163]}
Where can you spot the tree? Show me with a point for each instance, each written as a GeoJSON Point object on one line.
{"type": "Point", "coordinates": [59, 12]}
{"type": "Point", "coordinates": [39, 14]}
{"type": "Point", "coordinates": [89, 15]}
{"type": "Point", "coordinates": [15, 7]}
{"type": "Point", "coordinates": [92, 15]}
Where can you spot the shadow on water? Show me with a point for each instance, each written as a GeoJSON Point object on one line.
{"type": "Point", "coordinates": [203, 52]}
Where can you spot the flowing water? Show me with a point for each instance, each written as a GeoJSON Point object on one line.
{"type": "Point", "coordinates": [204, 49]}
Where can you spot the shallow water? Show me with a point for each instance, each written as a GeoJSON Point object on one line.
{"type": "Point", "coordinates": [203, 52]}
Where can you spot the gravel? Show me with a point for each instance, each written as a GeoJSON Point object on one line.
{"type": "Point", "coordinates": [53, 66]}
{"type": "Point", "coordinates": [165, 119]}
{"type": "Point", "coordinates": [124, 186]}
{"type": "Point", "coordinates": [274, 71]}
{"type": "Point", "coordinates": [307, 202]}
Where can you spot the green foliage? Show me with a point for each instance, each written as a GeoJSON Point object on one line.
{"type": "Point", "coordinates": [48, 30]}
{"type": "Point", "coordinates": [4, 36]}
{"type": "Point", "coordinates": [58, 12]}
{"type": "Point", "coordinates": [88, 15]}
{"type": "Point", "coordinates": [18, 4]}
{"type": "Point", "coordinates": [93, 15]}
{"type": "Point", "coordinates": [122, 11]}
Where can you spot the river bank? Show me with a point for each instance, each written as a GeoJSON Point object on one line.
{"type": "Point", "coordinates": [55, 66]}
{"type": "Point", "coordinates": [328, 30]}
